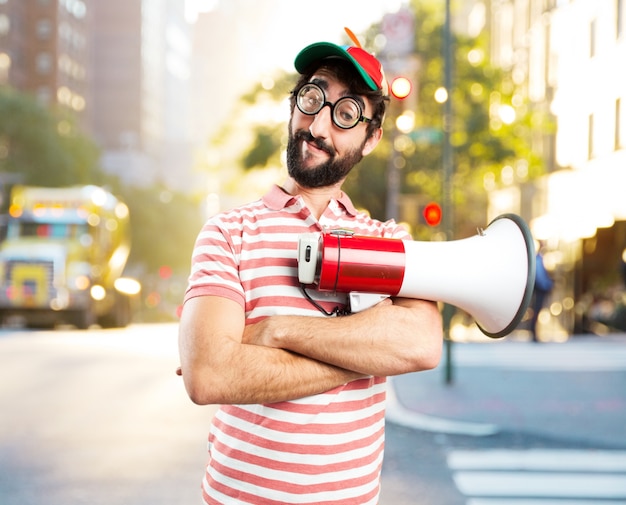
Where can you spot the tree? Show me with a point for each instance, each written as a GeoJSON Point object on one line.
{"type": "Point", "coordinates": [43, 146]}
{"type": "Point", "coordinates": [491, 134]}
{"type": "Point", "coordinates": [164, 227]}
{"type": "Point", "coordinates": [485, 145]}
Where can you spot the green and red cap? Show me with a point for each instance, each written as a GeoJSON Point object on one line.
{"type": "Point", "coordinates": [368, 66]}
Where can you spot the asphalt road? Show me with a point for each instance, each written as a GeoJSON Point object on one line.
{"type": "Point", "coordinates": [521, 424]}
{"type": "Point", "coordinates": [99, 417]}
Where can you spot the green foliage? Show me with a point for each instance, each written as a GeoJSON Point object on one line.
{"type": "Point", "coordinates": [164, 226]}
{"type": "Point", "coordinates": [265, 146]}
{"type": "Point", "coordinates": [367, 181]}
{"type": "Point", "coordinates": [41, 146]}
{"type": "Point", "coordinates": [275, 89]}
{"type": "Point", "coordinates": [45, 148]}
{"type": "Point", "coordinates": [482, 145]}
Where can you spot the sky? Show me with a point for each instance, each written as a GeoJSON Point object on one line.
{"type": "Point", "coordinates": [301, 22]}
{"type": "Point", "coordinates": [260, 37]}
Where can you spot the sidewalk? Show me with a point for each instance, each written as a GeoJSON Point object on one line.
{"type": "Point", "coordinates": [575, 389]}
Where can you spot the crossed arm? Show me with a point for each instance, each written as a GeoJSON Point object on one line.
{"type": "Point", "coordinates": [287, 357]}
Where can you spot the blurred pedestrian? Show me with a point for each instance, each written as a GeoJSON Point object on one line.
{"type": "Point", "coordinates": [623, 266]}
{"type": "Point", "coordinates": [543, 287]}
{"type": "Point", "coordinates": [302, 395]}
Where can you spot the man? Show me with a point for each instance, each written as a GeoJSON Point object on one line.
{"type": "Point", "coordinates": [302, 394]}
{"type": "Point", "coordinates": [543, 287]}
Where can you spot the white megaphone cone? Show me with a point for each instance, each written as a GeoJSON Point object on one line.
{"type": "Point", "coordinates": [490, 276]}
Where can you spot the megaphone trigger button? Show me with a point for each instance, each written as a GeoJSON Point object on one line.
{"type": "Point", "coordinates": [307, 254]}
{"type": "Point", "coordinates": [342, 232]}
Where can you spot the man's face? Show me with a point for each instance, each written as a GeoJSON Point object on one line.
{"type": "Point", "coordinates": [319, 153]}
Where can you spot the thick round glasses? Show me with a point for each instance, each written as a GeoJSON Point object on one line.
{"type": "Point", "coordinates": [345, 112]}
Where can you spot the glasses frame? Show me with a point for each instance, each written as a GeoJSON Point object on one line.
{"type": "Point", "coordinates": [332, 106]}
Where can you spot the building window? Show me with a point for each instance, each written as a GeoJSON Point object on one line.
{"type": "Point", "coordinates": [44, 29]}
{"type": "Point", "coordinates": [592, 39]}
{"type": "Point", "coordinates": [5, 24]}
{"type": "Point", "coordinates": [44, 95]}
{"type": "Point", "coordinates": [618, 124]}
{"type": "Point", "coordinates": [549, 5]}
{"type": "Point", "coordinates": [43, 63]}
{"type": "Point", "coordinates": [590, 138]}
{"type": "Point", "coordinates": [77, 8]}
{"type": "Point", "coordinates": [5, 65]}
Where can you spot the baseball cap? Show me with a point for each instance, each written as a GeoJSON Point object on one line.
{"type": "Point", "coordinates": [368, 66]}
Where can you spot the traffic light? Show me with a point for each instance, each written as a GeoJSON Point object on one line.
{"type": "Point", "coordinates": [432, 214]}
{"type": "Point", "coordinates": [165, 272]}
{"type": "Point", "coordinates": [401, 87]}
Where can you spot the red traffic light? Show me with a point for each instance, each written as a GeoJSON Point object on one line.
{"type": "Point", "coordinates": [165, 272]}
{"type": "Point", "coordinates": [432, 214]}
{"type": "Point", "coordinates": [401, 87]}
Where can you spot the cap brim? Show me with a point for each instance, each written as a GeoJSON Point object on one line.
{"type": "Point", "coordinates": [321, 50]}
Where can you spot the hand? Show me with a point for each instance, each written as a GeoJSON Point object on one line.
{"type": "Point", "coordinates": [259, 333]}
{"type": "Point", "coordinates": [269, 331]}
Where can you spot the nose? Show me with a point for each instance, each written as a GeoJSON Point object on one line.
{"type": "Point", "coordinates": [322, 122]}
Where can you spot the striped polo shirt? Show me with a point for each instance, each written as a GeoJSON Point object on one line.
{"type": "Point", "coordinates": [322, 449]}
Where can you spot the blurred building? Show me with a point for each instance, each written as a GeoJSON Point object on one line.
{"type": "Point", "coordinates": [122, 66]}
{"type": "Point", "coordinates": [141, 79]}
{"type": "Point", "coordinates": [227, 42]}
{"type": "Point", "coordinates": [567, 57]}
{"type": "Point", "coordinates": [45, 50]}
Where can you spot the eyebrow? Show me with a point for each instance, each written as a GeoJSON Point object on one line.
{"type": "Point", "coordinates": [322, 83]}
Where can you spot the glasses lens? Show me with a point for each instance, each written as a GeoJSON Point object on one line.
{"type": "Point", "coordinates": [347, 113]}
{"type": "Point", "coordinates": [310, 99]}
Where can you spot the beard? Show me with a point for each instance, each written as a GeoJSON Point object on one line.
{"type": "Point", "coordinates": [328, 173]}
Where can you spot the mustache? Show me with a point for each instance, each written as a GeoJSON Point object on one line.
{"type": "Point", "coordinates": [306, 136]}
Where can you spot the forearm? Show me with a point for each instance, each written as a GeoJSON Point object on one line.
{"type": "Point", "coordinates": [388, 339]}
{"type": "Point", "coordinates": [255, 374]}
{"type": "Point", "coordinates": [217, 367]}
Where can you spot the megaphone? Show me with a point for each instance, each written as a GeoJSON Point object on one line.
{"type": "Point", "coordinates": [490, 275]}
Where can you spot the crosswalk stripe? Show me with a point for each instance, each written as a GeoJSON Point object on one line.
{"type": "Point", "coordinates": [539, 460]}
{"type": "Point", "coordinates": [574, 357]}
{"type": "Point", "coordinates": [531, 501]}
{"type": "Point", "coordinates": [539, 476]}
{"type": "Point", "coordinates": [544, 485]}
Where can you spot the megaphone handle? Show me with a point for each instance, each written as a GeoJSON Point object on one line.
{"type": "Point", "coordinates": [357, 302]}
{"type": "Point", "coordinates": [360, 301]}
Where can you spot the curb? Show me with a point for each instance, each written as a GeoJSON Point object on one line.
{"type": "Point", "coordinates": [396, 413]}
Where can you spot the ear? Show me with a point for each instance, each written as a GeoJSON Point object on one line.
{"type": "Point", "coordinates": [372, 141]}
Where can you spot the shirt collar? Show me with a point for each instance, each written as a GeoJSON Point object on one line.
{"type": "Point", "coordinates": [278, 199]}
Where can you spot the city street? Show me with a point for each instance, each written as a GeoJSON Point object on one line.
{"type": "Point", "coordinates": [99, 417]}
{"type": "Point", "coordinates": [522, 423]}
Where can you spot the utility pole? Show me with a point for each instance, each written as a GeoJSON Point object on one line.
{"type": "Point", "coordinates": [398, 55]}
{"type": "Point", "coordinates": [448, 168]}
